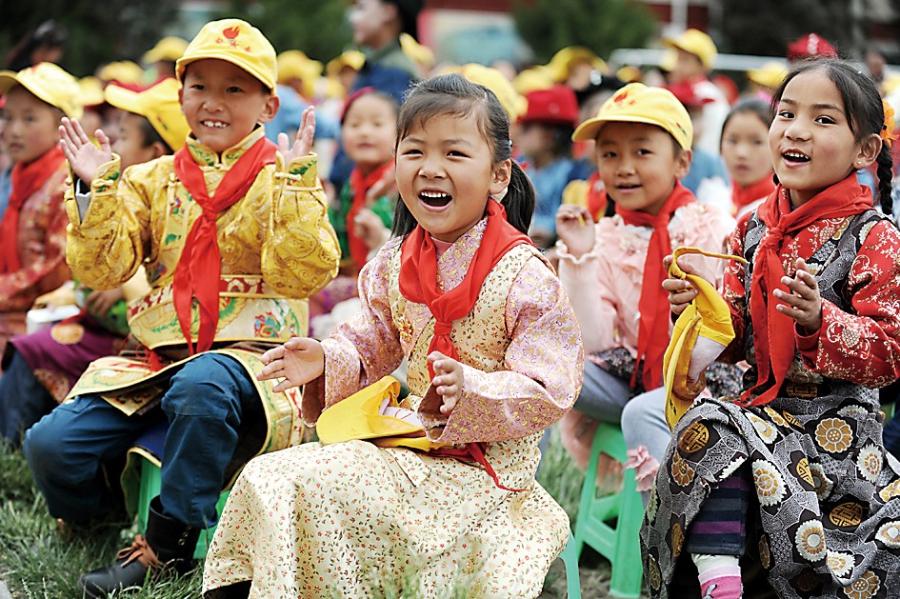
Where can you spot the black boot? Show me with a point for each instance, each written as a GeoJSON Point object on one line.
{"type": "Point", "coordinates": [168, 546]}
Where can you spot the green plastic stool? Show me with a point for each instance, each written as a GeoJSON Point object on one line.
{"type": "Point", "coordinates": [573, 578]}
{"type": "Point", "coordinates": [151, 480]}
{"type": "Point", "coordinates": [618, 542]}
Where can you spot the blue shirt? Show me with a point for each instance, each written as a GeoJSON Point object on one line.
{"type": "Point", "coordinates": [704, 166]}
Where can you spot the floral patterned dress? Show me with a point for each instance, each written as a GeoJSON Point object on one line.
{"type": "Point", "coordinates": [826, 521]}
{"type": "Point", "coordinates": [351, 519]}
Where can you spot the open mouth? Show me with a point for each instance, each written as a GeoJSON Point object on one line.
{"type": "Point", "coordinates": [628, 186]}
{"type": "Point", "coordinates": [214, 124]}
{"type": "Point", "coordinates": [795, 157]}
{"type": "Point", "coordinates": [435, 199]}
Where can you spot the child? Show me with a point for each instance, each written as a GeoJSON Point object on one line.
{"type": "Point", "coordinates": [545, 141]}
{"type": "Point", "coordinates": [33, 229]}
{"type": "Point", "coordinates": [815, 315]}
{"type": "Point", "coordinates": [362, 218]}
{"type": "Point", "coordinates": [745, 150]}
{"type": "Point", "coordinates": [228, 225]}
{"type": "Point", "coordinates": [351, 519]}
{"type": "Point", "coordinates": [612, 271]}
{"type": "Point", "coordinates": [41, 368]}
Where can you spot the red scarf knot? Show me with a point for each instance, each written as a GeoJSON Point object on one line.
{"type": "Point", "coordinates": [199, 267]}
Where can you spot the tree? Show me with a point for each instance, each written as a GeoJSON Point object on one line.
{"type": "Point", "coordinates": [318, 28]}
{"type": "Point", "coordinates": [601, 25]}
{"type": "Point", "coordinates": [97, 32]}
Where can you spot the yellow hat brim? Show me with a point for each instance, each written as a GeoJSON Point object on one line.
{"type": "Point", "coordinates": [183, 62]}
{"type": "Point", "coordinates": [10, 79]}
{"type": "Point", "coordinates": [174, 129]}
{"type": "Point", "coordinates": [589, 129]}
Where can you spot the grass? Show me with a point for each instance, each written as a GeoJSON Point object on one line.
{"type": "Point", "coordinates": [36, 561]}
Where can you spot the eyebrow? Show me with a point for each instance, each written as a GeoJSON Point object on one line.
{"type": "Point", "coordinates": [446, 142]}
{"type": "Point", "coordinates": [820, 106]}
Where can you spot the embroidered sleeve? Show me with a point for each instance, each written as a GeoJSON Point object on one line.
{"type": "Point", "coordinates": [863, 347]}
{"type": "Point", "coordinates": [106, 248]}
{"type": "Point", "coordinates": [541, 374]}
{"type": "Point", "coordinates": [736, 295]}
{"type": "Point", "coordinates": [363, 349]}
{"type": "Point", "coordinates": [48, 271]}
{"type": "Point", "coordinates": [585, 280]}
{"type": "Point", "coordinates": [300, 254]}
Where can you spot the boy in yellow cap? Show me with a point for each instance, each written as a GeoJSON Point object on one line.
{"type": "Point", "coordinates": [613, 270]}
{"type": "Point", "coordinates": [695, 57]}
{"type": "Point", "coordinates": [234, 235]}
{"type": "Point", "coordinates": [33, 225]}
{"type": "Point", "coordinates": [42, 367]}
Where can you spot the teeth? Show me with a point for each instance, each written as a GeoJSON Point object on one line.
{"type": "Point", "coordinates": [797, 155]}
{"type": "Point", "coordinates": [433, 194]}
{"type": "Point", "coordinates": [214, 124]}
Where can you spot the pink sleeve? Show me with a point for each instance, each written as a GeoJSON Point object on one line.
{"type": "Point", "coordinates": [863, 347]}
{"type": "Point", "coordinates": [541, 374]}
{"type": "Point", "coordinates": [585, 281]}
{"type": "Point", "coordinates": [363, 349]}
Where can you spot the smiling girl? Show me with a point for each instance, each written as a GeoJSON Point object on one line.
{"type": "Point", "coordinates": [792, 475]}
{"type": "Point", "coordinates": [745, 150]}
{"type": "Point", "coordinates": [494, 358]}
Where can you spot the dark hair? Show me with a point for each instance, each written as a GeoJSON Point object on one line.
{"type": "Point", "coordinates": [368, 91]}
{"type": "Point", "coordinates": [49, 34]}
{"type": "Point", "coordinates": [561, 136]}
{"type": "Point", "coordinates": [455, 95]}
{"type": "Point", "coordinates": [151, 135]}
{"type": "Point", "coordinates": [752, 106]}
{"type": "Point", "coordinates": [863, 108]}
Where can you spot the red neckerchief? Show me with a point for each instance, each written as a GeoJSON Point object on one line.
{"type": "Point", "coordinates": [744, 196]}
{"type": "Point", "coordinates": [27, 179]}
{"type": "Point", "coordinates": [419, 275]}
{"type": "Point", "coordinates": [654, 303]}
{"type": "Point", "coordinates": [200, 264]}
{"type": "Point", "coordinates": [361, 184]}
{"type": "Point", "coordinates": [773, 332]}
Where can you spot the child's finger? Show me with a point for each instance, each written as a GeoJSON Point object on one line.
{"type": "Point", "coordinates": [808, 278]}
{"type": "Point", "coordinates": [74, 139]}
{"type": "Point", "coordinates": [449, 404]}
{"type": "Point", "coordinates": [67, 151]}
{"type": "Point", "coordinates": [79, 130]}
{"type": "Point", "coordinates": [283, 143]}
{"type": "Point", "coordinates": [104, 141]}
{"type": "Point", "coordinates": [273, 354]}
{"type": "Point", "coordinates": [791, 299]}
{"type": "Point", "coordinates": [685, 297]}
{"type": "Point", "coordinates": [283, 386]}
{"type": "Point", "coordinates": [799, 287]}
{"type": "Point", "coordinates": [794, 313]}
{"type": "Point", "coordinates": [677, 285]}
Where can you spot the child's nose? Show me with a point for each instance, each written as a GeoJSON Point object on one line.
{"type": "Point", "coordinates": [431, 169]}
{"type": "Point", "coordinates": [797, 129]}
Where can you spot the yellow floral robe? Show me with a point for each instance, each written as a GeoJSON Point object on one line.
{"type": "Point", "coordinates": [351, 519]}
{"type": "Point", "coordinates": [277, 248]}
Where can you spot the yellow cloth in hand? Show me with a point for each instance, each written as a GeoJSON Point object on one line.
{"type": "Point", "coordinates": [707, 317]}
{"type": "Point", "coordinates": [362, 416]}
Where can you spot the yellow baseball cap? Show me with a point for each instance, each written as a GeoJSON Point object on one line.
{"type": "Point", "coordinates": [694, 41]}
{"type": "Point", "coordinates": [515, 104]}
{"type": "Point", "coordinates": [158, 104]}
{"type": "Point", "coordinates": [637, 103]}
{"type": "Point", "coordinates": [562, 62]}
{"type": "Point", "coordinates": [769, 75]}
{"type": "Point", "coordinates": [294, 64]}
{"type": "Point", "coordinates": [91, 91]}
{"type": "Point", "coordinates": [167, 49]}
{"type": "Point", "coordinates": [353, 59]}
{"type": "Point", "coordinates": [416, 52]}
{"type": "Point", "coordinates": [533, 79]}
{"type": "Point", "coordinates": [234, 41]}
{"type": "Point", "coordinates": [50, 84]}
{"type": "Point", "coordinates": [123, 71]}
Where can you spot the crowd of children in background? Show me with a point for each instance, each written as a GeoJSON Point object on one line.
{"type": "Point", "coordinates": [232, 225]}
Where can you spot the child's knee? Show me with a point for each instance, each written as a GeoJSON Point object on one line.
{"type": "Point", "coordinates": [206, 387]}
{"type": "Point", "coordinates": [44, 446]}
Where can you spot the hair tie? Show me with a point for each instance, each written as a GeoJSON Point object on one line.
{"type": "Point", "coordinates": [887, 129]}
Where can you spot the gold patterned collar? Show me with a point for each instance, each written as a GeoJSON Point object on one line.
{"type": "Point", "coordinates": [206, 157]}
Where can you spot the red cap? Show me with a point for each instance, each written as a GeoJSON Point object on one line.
{"type": "Point", "coordinates": [810, 45]}
{"type": "Point", "coordinates": [687, 94]}
{"type": "Point", "coordinates": [556, 104]}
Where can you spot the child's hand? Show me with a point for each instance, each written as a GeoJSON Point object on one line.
{"type": "Point", "coordinates": [447, 381]}
{"type": "Point", "coordinates": [101, 302]}
{"type": "Point", "coordinates": [371, 229]}
{"type": "Point", "coordinates": [298, 362]}
{"type": "Point", "coordinates": [575, 227]}
{"type": "Point", "coordinates": [84, 157]}
{"type": "Point", "coordinates": [386, 186]}
{"type": "Point", "coordinates": [681, 292]}
{"type": "Point", "coordinates": [804, 303]}
{"type": "Point", "coordinates": [303, 141]}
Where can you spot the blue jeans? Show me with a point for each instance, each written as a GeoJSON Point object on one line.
{"type": "Point", "coordinates": [23, 400]}
{"type": "Point", "coordinates": [203, 403]}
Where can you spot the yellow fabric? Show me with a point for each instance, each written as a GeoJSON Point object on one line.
{"type": "Point", "coordinates": [357, 417]}
{"type": "Point", "coordinates": [769, 75]}
{"type": "Point", "coordinates": [350, 58]}
{"type": "Point", "coordinates": [234, 41]}
{"type": "Point", "coordinates": [167, 49]}
{"type": "Point", "coordinates": [629, 74]}
{"type": "Point", "coordinates": [694, 41]}
{"type": "Point", "coordinates": [561, 63]}
{"type": "Point", "coordinates": [533, 79]}
{"type": "Point", "coordinates": [276, 243]}
{"type": "Point", "coordinates": [123, 71]}
{"type": "Point", "coordinates": [48, 83]}
{"type": "Point", "coordinates": [706, 316]}
{"type": "Point", "coordinates": [91, 91]}
{"type": "Point", "coordinates": [416, 52]}
{"type": "Point", "coordinates": [514, 103]}
{"type": "Point", "coordinates": [637, 103]}
{"type": "Point", "coordinates": [575, 193]}
{"type": "Point", "coordinates": [294, 64]}
{"type": "Point", "coordinates": [159, 105]}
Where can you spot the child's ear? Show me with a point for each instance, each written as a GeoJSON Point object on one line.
{"type": "Point", "coordinates": [500, 177]}
{"type": "Point", "coordinates": [158, 149]}
{"type": "Point", "coordinates": [683, 163]}
{"type": "Point", "coordinates": [869, 148]}
{"type": "Point", "coordinates": [270, 108]}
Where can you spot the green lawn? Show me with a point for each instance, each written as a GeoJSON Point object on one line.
{"type": "Point", "coordinates": [37, 562]}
